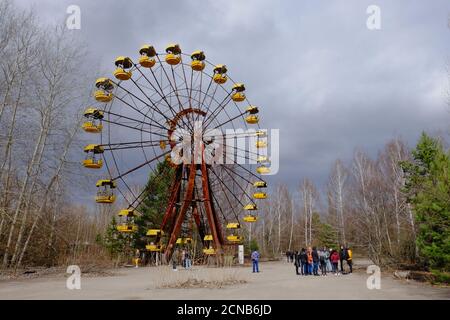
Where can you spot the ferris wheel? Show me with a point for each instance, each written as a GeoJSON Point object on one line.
{"type": "Point", "coordinates": [183, 111]}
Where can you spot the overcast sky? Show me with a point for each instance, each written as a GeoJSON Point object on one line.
{"type": "Point", "coordinates": [313, 67]}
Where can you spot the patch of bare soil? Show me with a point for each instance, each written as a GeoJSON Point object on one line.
{"type": "Point", "coordinates": [195, 283]}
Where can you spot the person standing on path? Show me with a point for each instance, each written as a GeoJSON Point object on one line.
{"type": "Point", "coordinates": [175, 258]}
{"type": "Point", "coordinates": [334, 261]}
{"type": "Point", "coordinates": [342, 257]}
{"type": "Point", "coordinates": [316, 261]}
{"type": "Point", "coordinates": [296, 262]}
{"type": "Point", "coordinates": [309, 258]}
{"type": "Point", "coordinates": [349, 256]}
{"type": "Point", "coordinates": [323, 256]}
{"type": "Point", "coordinates": [303, 262]}
{"type": "Point", "coordinates": [187, 260]}
{"type": "Point", "coordinates": [255, 260]}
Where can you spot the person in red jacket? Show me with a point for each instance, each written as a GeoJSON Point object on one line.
{"type": "Point", "coordinates": [335, 261]}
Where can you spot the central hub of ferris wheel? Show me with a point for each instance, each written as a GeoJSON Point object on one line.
{"type": "Point", "coordinates": [179, 113]}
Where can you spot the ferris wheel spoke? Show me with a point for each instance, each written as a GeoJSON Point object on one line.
{"type": "Point", "coordinates": [211, 100]}
{"type": "Point", "coordinates": [161, 92]}
{"type": "Point", "coordinates": [204, 95]}
{"type": "Point", "coordinates": [189, 123]}
{"type": "Point", "coordinates": [180, 106]}
{"type": "Point", "coordinates": [229, 120]}
{"type": "Point", "coordinates": [187, 89]}
{"type": "Point", "coordinates": [240, 187]}
{"type": "Point", "coordinates": [237, 174]}
{"type": "Point", "coordinates": [140, 166]}
{"type": "Point", "coordinates": [134, 128]}
{"type": "Point", "coordinates": [132, 145]}
{"type": "Point", "coordinates": [139, 111]}
{"type": "Point", "coordinates": [221, 105]}
{"type": "Point", "coordinates": [251, 173]}
{"type": "Point", "coordinates": [227, 187]}
{"type": "Point", "coordinates": [135, 120]}
{"type": "Point", "coordinates": [227, 146]}
{"type": "Point", "coordinates": [154, 108]}
{"type": "Point", "coordinates": [219, 206]}
{"type": "Point", "coordinates": [229, 202]}
{"type": "Point", "coordinates": [172, 85]}
{"type": "Point", "coordinates": [145, 191]}
{"type": "Point", "coordinates": [151, 101]}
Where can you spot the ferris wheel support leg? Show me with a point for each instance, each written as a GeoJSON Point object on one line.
{"type": "Point", "coordinates": [174, 195]}
{"type": "Point", "coordinates": [211, 216]}
{"type": "Point", "coordinates": [187, 202]}
{"type": "Point", "coordinates": [197, 220]}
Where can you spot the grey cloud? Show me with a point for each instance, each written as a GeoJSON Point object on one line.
{"type": "Point", "coordinates": [313, 67]}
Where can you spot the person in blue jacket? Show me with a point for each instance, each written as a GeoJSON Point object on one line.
{"type": "Point", "coordinates": [255, 260]}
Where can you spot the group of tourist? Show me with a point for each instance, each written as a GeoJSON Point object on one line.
{"type": "Point", "coordinates": [183, 258]}
{"type": "Point", "coordinates": [312, 259]}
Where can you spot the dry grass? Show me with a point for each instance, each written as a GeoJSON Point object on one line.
{"type": "Point", "coordinates": [197, 277]}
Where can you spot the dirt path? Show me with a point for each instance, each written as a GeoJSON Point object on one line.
{"type": "Point", "coordinates": [276, 281]}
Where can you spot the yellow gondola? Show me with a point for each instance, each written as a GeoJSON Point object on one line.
{"type": "Point", "coordinates": [263, 170]}
{"type": "Point", "coordinates": [104, 86]}
{"type": "Point", "coordinates": [123, 65]}
{"type": "Point", "coordinates": [233, 225]}
{"type": "Point", "coordinates": [105, 193]}
{"type": "Point", "coordinates": [173, 56]}
{"type": "Point", "coordinates": [252, 119]}
{"type": "Point", "coordinates": [251, 207]}
{"type": "Point", "coordinates": [235, 238]}
{"type": "Point", "coordinates": [262, 159]}
{"type": "Point", "coordinates": [238, 94]}
{"type": "Point", "coordinates": [127, 213]}
{"type": "Point", "coordinates": [93, 125]}
{"type": "Point", "coordinates": [198, 63]}
{"type": "Point", "coordinates": [127, 228]}
{"type": "Point", "coordinates": [209, 251]}
{"type": "Point", "coordinates": [182, 241]}
{"type": "Point", "coordinates": [250, 218]}
{"type": "Point", "coordinates": [260, 195]}
{"type": "Point", "coordinates": [261, 133]}
{"type": "Point", "coordinates": [208, 237]}
{"type": "Point", "coordinates": [261, 144]}
{"type": "Point", "coordinates": [252, 110]}
{"type": "Point", "coordinates": [260, 184]}
{"type": "Point", "coordinates": [155, 247]}
{"type": "Point", "coordinates": [147, 53]}
{"type": "Point", "coordinates": [220, 76]}
{"type": "Point", "coordinates": [155, 232]}
{"type": "Point", "coordinates": [91, 161]}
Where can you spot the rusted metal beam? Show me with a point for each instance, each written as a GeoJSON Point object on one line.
{"type": "Point", "coordinates": [187, 202]}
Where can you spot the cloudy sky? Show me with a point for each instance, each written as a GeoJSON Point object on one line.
{"type": "Point", "coordinates": [313, 67]}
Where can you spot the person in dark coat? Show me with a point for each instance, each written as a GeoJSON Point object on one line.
{"type": "Point", "coordinates": [342, 257]}
{"type": "Point", "coordinates": [296, 262]}
{"type": "Point", "coordinates": [303, 262]}
{"type": "Point", "coordinates": [316, 261]}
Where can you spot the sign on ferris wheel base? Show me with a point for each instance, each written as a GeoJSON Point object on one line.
{"type": "Point", "coordinates": [241, 253]}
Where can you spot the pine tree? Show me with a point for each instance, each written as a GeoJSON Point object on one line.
{"type": "Point", "coordinates": [428, 188]}
{"type": "Point", "coordinates": [114, 241]}
{"type": "Point", "coordinates": [155, 203]}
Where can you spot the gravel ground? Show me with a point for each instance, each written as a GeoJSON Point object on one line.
{"type": "Point", "coordinates": [277, 280]}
